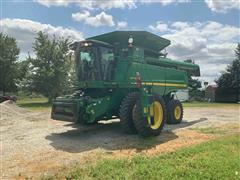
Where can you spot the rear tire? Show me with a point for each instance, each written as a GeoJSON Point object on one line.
{"type": "Point", "coordinates": [174, 112]}
{"type": "Point", "coordinates": [150, 126]}
{"type": "Point", "coordinates": [125, 113]}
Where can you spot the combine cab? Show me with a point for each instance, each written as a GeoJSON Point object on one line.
{"type": "Point", "coordinates": [125, 74]}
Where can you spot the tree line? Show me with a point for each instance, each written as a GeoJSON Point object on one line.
{"type": "Point", "coordinates": [50, 71]}
{"type": "Point", "coordinates": [228, 84]}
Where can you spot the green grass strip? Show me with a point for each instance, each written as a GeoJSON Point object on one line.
{"type": "Point", "coordinates": [217, 159]}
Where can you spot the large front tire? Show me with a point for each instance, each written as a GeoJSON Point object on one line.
{"type": "Point", "coordinates": [174, 112]}
{"type": "Point", "coordinates": [125, 113]}
{"type": "Point", "coordinates": [152, 125]}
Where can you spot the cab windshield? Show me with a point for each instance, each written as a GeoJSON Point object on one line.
{"type": "Point", "coordinates": [95, 63]}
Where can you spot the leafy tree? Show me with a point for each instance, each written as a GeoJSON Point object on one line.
{"type": "Point", "coordinates": [50, 68]}
{"type": "Point", "coordinates": [194, 89]}
{"type": "Point", "coordinates": [237, 51]}
{"type": "Point", "coordinates": [24, 80]}
{"type": "Point", "coordinates": [8, 58]}
{"type": "Point", "coordinates": [231, 78]}
{"type": "Point", "coordinates": [194, 84]}
{"type": "Point", "coordinates": [72, 71]}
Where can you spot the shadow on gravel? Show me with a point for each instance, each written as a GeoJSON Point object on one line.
{"type": "Point", "coordinates": [184, 124]}
{"type": "Point", "coordinates": [110, 137]}
{"type": "Point", "coordinates": [104, 136]}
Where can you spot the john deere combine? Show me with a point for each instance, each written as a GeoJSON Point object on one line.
{"type": "Point", "coordinates": [125, 74]}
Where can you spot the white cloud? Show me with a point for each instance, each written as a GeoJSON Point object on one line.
{"type": "Point", "coordinates": [216, 31]}
{"type": "Point", "coordinates": [221, 50]}
{"type": "Point", "coordinates": [49, 3]}
{"type": "Point", "coordinates": [25, 31]}
{"type": "Point", "coordinates": [219, 6]}
{"type": "Point", "coordinates": [164, 2]}
{"type": "Point", "coordinates": [101, 19]}
{"type": "Point", "coordinates": [81, 16]}
{"type": "Point", "coordinates": [159, 27]}
{"type": "Point", "coordinates": [210, 44]}
{"type": "Point", "coordinates": [106, 4]}
{"type": "Point", "coordinates": [222, 6]}
{"type": "Point", "coordinates": [122, 25]}
{"type": "Point", "coordinates": [91, 4]}
{"type": "Point", "coordinates": [180, 25]}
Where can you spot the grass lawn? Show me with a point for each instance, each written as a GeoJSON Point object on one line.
{"type": "Point", "coordinates": [34, 103]}
{"type": "Point", "coordinates": [227, 129]}
{"type": "Point", "coordinates": [207, 104]}
{"type": "Point", "coordinates": [216, 159]}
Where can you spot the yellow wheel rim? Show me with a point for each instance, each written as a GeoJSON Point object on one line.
{"type": "Point", "coordinates": [156, 115]}
{"type": "Point", "coordinates": [177, 112]}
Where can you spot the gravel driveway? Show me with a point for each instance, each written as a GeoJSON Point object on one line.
{"type": "Point", "coordinates": [32, 144]}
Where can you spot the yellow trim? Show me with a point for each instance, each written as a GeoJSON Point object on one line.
{"type": "Point", "coordinates": [145, 110]}
{"type": "Point", "coordinates": [164, 84]}
{"type": "Point", "coordinates": [156, 111]}
{"type": "Point", "coordinates": [177, 112]}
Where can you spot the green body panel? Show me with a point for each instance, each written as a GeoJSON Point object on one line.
{"type": "Point", "coordinates": [97, 108]}
{"type": "Point", "coordinates": [101, 99]}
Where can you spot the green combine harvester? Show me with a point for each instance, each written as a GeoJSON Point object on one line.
{"type": "Point", "coordinates": [125, 74]}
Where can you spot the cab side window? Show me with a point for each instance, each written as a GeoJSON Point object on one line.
{"type": "Point", "coordinates": [107, 62]}
{"type": "Point", "coordinates": [107, 54]}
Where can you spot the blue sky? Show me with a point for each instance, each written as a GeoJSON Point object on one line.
{"type": "Point", "coordinates": [138, 18]}
{"type": "Point", "coordinates": [206, 31]}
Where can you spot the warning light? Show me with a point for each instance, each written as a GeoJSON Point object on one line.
{"type": "Point", "coordinates": [138, 80]}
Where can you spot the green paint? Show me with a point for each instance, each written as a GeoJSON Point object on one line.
{"type": "Point", "coordinates": [105, 81]}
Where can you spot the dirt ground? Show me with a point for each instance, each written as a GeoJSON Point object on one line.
{"type": "Point", "coordinates": [33, 145]}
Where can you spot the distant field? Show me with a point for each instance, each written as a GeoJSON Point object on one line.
{"type": "Point", "coordinates": [217, 159]}
{"type": "Point", "coordinates": [42, 103]}
{"type": "Point", "coordinates": [33, 103]}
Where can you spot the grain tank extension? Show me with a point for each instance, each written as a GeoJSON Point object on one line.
{"type": "Point", "coordinates": [125, 74]}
